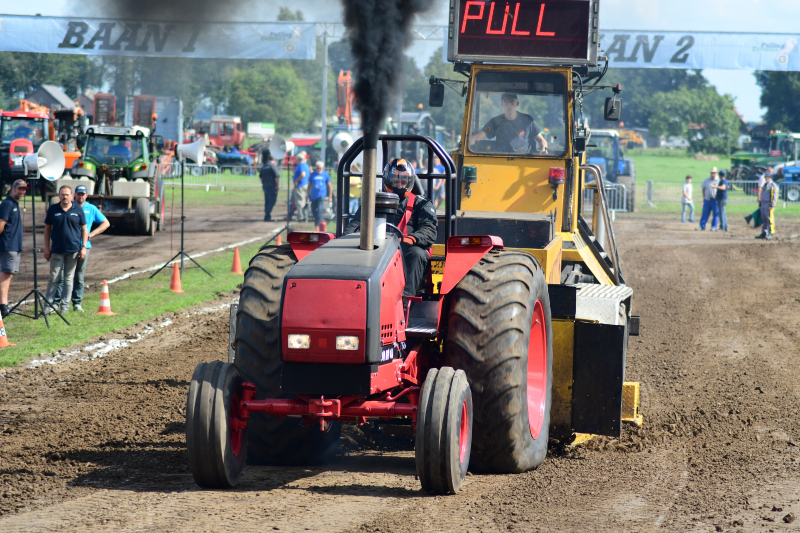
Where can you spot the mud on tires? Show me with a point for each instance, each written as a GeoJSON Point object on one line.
{"type": "Point", "coordinates": [500, 312]}
{"type": "Point", "coordinates": [216, 453]}
{"type": "Point", "coordinates": [272, 440]}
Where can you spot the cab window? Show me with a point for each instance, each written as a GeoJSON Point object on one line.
{"type": "Point", "coordinates": [23, 128]}
{"type": "Point", "coordinates": [518, 113]}
{"type": "Point", "coordinates": [114, 149]}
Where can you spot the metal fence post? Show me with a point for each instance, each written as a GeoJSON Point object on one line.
{"type": "Point", "coordinates": [650, 193]}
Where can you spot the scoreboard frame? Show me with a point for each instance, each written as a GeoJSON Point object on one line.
{"type": "Point", "coordinates": [490, 33]}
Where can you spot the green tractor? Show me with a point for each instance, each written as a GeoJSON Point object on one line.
{"type": "Point", "coordinates": [124, 177]}
{"type": "Point", "coordinates": [783, 147]}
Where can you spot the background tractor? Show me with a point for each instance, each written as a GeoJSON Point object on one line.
{"type": "Point", "coordinates": [119, 167]}
{"type": "Point", "coordinates": [517, 335]}
{"type": "Point", "coordinates": [605, 150]}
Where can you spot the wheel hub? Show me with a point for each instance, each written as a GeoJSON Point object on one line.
{"type": "Point", "coordinates": [537, 370]}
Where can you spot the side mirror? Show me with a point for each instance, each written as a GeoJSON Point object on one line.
{"type": "Point", "coordinates": [580, 144]}
{"type": "Point", "coordinates": [613, 109]}
{"type": "Point", "coordinates": [437, 95]}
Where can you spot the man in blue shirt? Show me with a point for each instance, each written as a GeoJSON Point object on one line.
{"type": "Point", "coordinates": [319, 188]}
{"type": "Point", "coordinates": [65, 222]}
{"type": "Point", "coordinates": [10, 240]}
{"type": "Point", "coordinates": [93, 215]}
{"type": "Point", "coordinates": [300, 192]}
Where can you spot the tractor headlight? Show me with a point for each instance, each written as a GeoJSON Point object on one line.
{"type": "Point", "coordinates": [299, 342]}
{"type": "Point", "coordinates": [346, 342]}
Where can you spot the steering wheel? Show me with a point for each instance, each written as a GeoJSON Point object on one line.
{"type": "Point", "coordinates": [396, 230]}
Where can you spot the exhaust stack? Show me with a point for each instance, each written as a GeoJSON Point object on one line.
{"type": "Point", "coordinates": [368, 196]}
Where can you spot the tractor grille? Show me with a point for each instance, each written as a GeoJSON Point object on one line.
{"type": "Point", "coordinates": [387, 334]}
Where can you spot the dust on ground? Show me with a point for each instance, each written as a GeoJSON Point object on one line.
{"type": "Point", "coordinates": [99, 445]}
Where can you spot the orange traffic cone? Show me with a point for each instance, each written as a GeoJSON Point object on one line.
{"type": "Point", "coordinates": [175, 281]}
{"type": "Point", "coordinates": [323, 226]}
{"type": "Point", "coordinates": [237, 264]}
{"type": "Point", "coordinates": [278, 241]}
{"type": "Point", "coordinates": [105, 301]}
{"type": "Point", "coordinates": [3, 339]}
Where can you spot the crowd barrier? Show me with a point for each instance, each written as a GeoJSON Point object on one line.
{"type": "Point", "coordinates": [222, 177]}
{"type": "Point", "coordinates": [616, 194]}
{"type": "Point", "coordinates": [738, 192]}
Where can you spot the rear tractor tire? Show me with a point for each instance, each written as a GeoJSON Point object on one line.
{"type": "Point", "coordinates": [216, 451]}
{"type": "Point", "coordinates": [499, 333]}
{"type": "Point", "coordinates": [444, 431]}
{"type": "Point", "coordinates": [272, 440]}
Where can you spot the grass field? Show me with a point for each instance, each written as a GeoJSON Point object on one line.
{"type": "Point", "coordinates": [134, 300]}
{"type": "Point", "coordinates": [672, 165]}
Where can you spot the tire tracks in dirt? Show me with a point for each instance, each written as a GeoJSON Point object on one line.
{"type": "Point", "coordinates": [99, 445]}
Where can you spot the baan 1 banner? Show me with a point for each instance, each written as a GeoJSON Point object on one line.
{"type": "Point", "coordinates": [701, 50]}
{"type": "Point", "coordinates": [89, 36]}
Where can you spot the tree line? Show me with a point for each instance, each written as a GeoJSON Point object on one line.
{"type": "Point", "coordinates": [668, 102]}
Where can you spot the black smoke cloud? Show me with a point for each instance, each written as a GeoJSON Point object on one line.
{"type": "Point", "coordinates": [183, 10]}
{"type": "Point", "coordinates": [379, 31]}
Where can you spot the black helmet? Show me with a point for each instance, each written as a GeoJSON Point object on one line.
{"type": "Point", "coordinates": [398, 177]}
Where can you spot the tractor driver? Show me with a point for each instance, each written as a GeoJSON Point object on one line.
{"type": "Point", "coordinates": [514, 131]}
{"type": "Point", "coordinates": [415, 217]}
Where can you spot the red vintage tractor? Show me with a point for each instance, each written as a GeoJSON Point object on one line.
{"type": "Point", "coordinates": [322, 338]}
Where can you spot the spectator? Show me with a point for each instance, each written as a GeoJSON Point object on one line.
{"type": "Point", "coordinates": [92, 215]}
{"type": "Point", "coordinates": [438, 185]}
{"type": "Point", "coordinates": [319, 188]}
{"type": "Point", "coordinates": [769, 197]}
{"type": "Point", "coordinates": [10, 240]}
{"type": "Point", "coordinates": [755, 216]}
{"type": "Point", "coordinates": [687, 201]}
{"type": "Point", "coordinates": [355, 190]}
{"type": "Point", "coordinates": [66, 224]}
{"type": "Point", "coordinates": [710, 201]}
{"type": "Point", "coordinates": [722, 200]}
{"type": "Point", "coordinates": [270, 182]}
{"type": "Point", "coordinates": [299, 193]}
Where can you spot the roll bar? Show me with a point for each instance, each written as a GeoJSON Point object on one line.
{"type": "Point", "coordinates": [344, 173]}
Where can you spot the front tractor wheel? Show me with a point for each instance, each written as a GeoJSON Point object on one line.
{"type": "Point", "coordinates": [444, 431]}
{"type": "Point", "coordinates": [141, 219]}
{"type": "Point", "coordinates": [273, 441]}
{"type": "Point", "coordinates": [216, 443]}
{"type": "Point", "coordinates": [499, 333]}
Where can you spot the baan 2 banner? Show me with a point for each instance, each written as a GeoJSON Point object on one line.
{"type": "Point", "coordinates": [696, 50]}
{"type": "Point", "coordinates": [89, 36]}
{"type": "Point", "coordinates": [701, 50]}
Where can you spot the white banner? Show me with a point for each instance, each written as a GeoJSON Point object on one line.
{"type": "Point", "coordinates": [697, 50]}
{"type": "Point", "coordinates": [86, 36]}
{"type": "Point", "coordinates": [701, 50]}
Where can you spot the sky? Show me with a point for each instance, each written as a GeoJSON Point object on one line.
{"type": "Point", "coordinates": [761, 16]}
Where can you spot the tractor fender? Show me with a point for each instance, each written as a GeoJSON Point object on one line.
{"type": "Point", "coordinates": [305, 242]}
{"type": "Point", "coordinates": [463, 253]}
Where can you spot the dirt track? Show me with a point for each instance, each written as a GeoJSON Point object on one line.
{"type": "Point", "coordinates": [95, 446]}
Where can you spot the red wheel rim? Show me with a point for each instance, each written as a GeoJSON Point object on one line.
{"type": "Point", "coordinates": [537, 370]}
{"type": "Point", "coordinates": [233, 426]}
{"type": "Point", "coordinates": [463, 433]}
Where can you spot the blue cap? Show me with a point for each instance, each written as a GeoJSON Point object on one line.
{"type": "Point", "coordinates": [81, 188]}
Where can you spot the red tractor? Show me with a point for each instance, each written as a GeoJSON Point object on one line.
{"type": "Point", "coordinates": [302, 366]}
